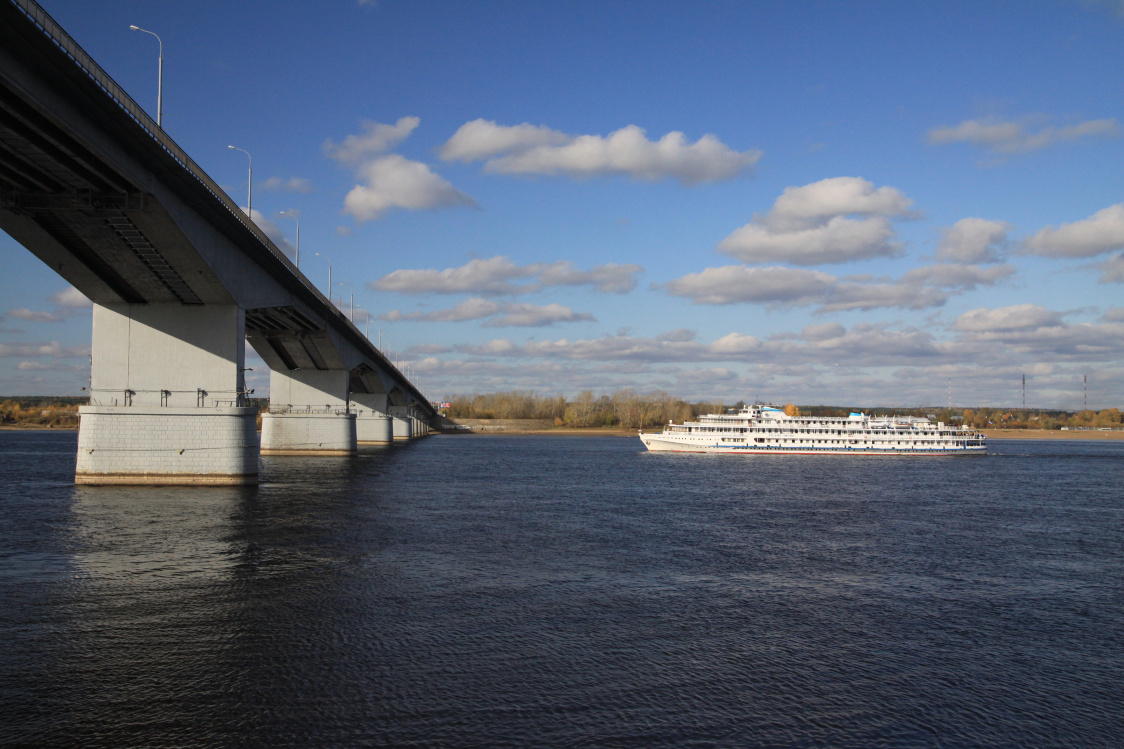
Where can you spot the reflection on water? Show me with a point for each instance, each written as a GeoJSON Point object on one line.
{"type": "Point", "coordinates": [567, 591]}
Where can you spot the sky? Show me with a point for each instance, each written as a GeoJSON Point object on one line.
{"type": "Point", "coordinates": [850, 203]}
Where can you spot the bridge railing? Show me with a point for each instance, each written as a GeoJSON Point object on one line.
{"type": "Point", "coordinates": [53, 31]}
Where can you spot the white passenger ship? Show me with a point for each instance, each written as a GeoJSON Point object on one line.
{"type": "Point", "coordinates": [760, 429]}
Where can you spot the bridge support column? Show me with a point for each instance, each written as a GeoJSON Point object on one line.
{"type": "Point", "coordinates": [372, 423]}
{"type": "Point", "coordinates": [308, 414]}
{"type": "Point", "coordinates": [403, 423]}
{"type": "Point", "coordinates": [167, 398]}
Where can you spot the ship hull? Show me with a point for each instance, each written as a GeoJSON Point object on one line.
{"type": "Point", "coordinates": [655, 443]}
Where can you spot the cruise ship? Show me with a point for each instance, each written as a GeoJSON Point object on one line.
{"type": "Point", "coordinates": [767, 430]}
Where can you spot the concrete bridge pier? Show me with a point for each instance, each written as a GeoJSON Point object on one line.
{"type": "Point", "coordinates": [372, 423]}
{"type": "Point", "coordinates": [402, 423]}
{"type": "Point", "coordinates": [308, 414]}
{"type": "Point", "coordinates": [167, 398]}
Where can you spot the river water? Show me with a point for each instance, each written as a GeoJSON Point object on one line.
{"type": "Point", "coordinates": [499, 591]}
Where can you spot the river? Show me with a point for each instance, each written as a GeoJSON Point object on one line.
{"type": "Point", "coordinates": [505, 591]}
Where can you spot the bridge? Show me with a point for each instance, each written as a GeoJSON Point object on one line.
{"type": "Point", "coordinates": [180, 278]}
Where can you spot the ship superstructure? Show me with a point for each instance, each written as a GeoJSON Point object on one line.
{"type": "Point", "coordinates": [761, 429]}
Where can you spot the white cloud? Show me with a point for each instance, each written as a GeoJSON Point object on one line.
{"type": "Point", "coordinates": [535, 316]}
{"type": "Point", "coordinates": [846, 297]}
{"type": "Point", "coordinates": [292, 184]}
{"type": "Point", "coordinates": [973, 240]}
{"type": "Point", "coordinates": [482, 139]}
{"type": "Point", "coordinates": [837, 241]}
{"type": "Point", "coordinates": [376, 139]}
{"type": "Point", "coordinates": [470, 309]}
{"type": "Point", "coordinates": [1011, 137]}
{"type": "Point", "coordinates": [1101, 232]}
{"type": "Point", "coordinates": [53, 349]}
{"type": "Point", "coordinates": [30, 315]}
{"type": "Point", "coordinates": [529, 149]}
{"type": "Point", "coordinates": [1016, 317]}
{"type": "Point", "coordinates": [496, 276]}
{"type": "Point", "coordinates": [790, 287]}
{"type": "Point", "coordinates": [70, 297]}
{"type": "Point", "coordinates": [610, 278]}
{"type": "Point", "coordinates": [734, 284]}
{"type": "Point", "coordinates": [1112, 270]}
{"type": "Point", "coordinates": [809, 225]}
{"type": "Point", "coordinates": [1113, 314]}
{"type": "Point", "coordinates": [69, 302]}
{"type": "Point", "coordinates": [506, 315]}
{"type": "Point", "coordinates": [957, 276]}
{"type": "Point", "coordinates": [388, 181]}
{"type": "Point", "coordinates": [811, 205]}
{"type": "Point", "coordinates": [679, 335]}
{"type": "Point", "coordinates": [394, 181]}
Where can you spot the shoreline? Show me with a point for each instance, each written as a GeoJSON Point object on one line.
{"type": "Point", "coordinates": [998, 434]}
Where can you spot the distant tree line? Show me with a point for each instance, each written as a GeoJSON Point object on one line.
{"type": "Point", "coordinates": [38, 411]}
{"type": "Point", "coordinates": [624, 408]}
{"type": "Point", "coordinates": [629, 409]}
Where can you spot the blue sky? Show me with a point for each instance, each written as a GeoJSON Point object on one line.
{"type": "Point", "coordinates": [864, 203]}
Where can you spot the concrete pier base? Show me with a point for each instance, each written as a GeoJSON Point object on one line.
{"type": "Point", "coordinates": [123, 445]}
{"type": "Point", "coordinates": [373, 428]}
{"type": "Point", "coordinates": [311, 433]}
{"type": "Point", "coordinates": [403, 428]}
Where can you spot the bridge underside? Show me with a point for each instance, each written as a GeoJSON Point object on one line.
{"type": "Point", "coordinates": [180, 279]}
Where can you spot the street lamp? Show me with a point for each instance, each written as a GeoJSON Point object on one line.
{"type": "Point", "coordinates": [249, 183]}
{"type": "Point", "coordinates": [159, 78]}
{"type": "Point", "coordinates": [297, 218]}
{"type": "Point", "coordinates": [352, 299]}
{"type": "Point", "coordinates": [329, 273]}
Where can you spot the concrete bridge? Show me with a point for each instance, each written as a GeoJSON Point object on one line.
{"type": "Point", "coordinates": [180, 279]}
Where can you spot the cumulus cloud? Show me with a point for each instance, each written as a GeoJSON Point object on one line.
{"type": "Point", "coordinates": [837, 241]}
{"type": "Point", "coordinates": [504, 315]}
{"type": "Point", "coordinates": [1012, 137]}
{"type": "Point", "coordinates": [531, 149]}
{"type": "Point", "coordinates": [52, 349]}
{"type": "Point", "coordinates": [846, 297]}
{"type": "Point", "coordinates": [470, 309]}
{"type": "Point", "coordinates": [679, 335]}
{"type": "Point", "coordinates": [292, 184]}
{"type": "Point", "coordinates": [810, 205]}
{"type": "Point", "coordinates": [68, 302]}
{"type": "Point", "coordinates": [734, 284]}
{"type": "Point", "coordinates": [1015, 317]}
{"type": "Point", "coordinates": [1113, 314]}
{"type": "Point", "coordinates": [1101, 232]}
{"type": "Point", "coordinates": [777, 286]}
{"type": "Point", "coordinates": [958, 276]}
{"type": "Point", "coordinates": [386, 180]}
{"type": "Point", "coordinates": [1112, 270]}
{"type": "Point", "coordinates": [834, 220]}
{"type": "Point", "coordinates": [482, 139]}
{"type": "Point", "coordinates": [499, 276]}
{"type": "Point", "coordinates": [394, 181]}
{"type": "Point", "coordinates": [973, 240]}
{"type": "Point", "coordinates": [376, 138]}
{"type": "Point", "coordinates": [536, 316]}
{"type": "Point", "coordinates": [70, 297]}
{"type": "Point", "coordinates": [30, 315]}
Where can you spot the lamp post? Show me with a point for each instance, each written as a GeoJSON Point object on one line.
{"type": "Point", "coordinates": [249, 183]}
{"type": "Point", "coordinates": [352, 299]}
{"type": "Point", "coordinates": [159, 78]}
{"type": "Point", "coordinates": [297, 218]}
{"type": "Point", "coordinates": [329, 274]}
